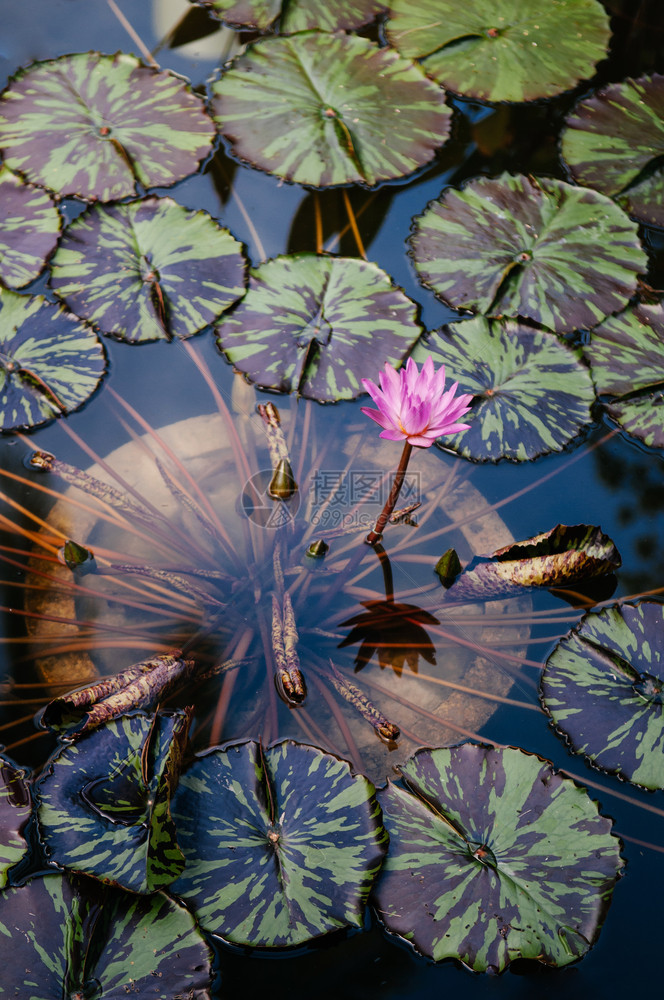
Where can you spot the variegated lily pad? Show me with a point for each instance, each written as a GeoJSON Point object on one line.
{"type": "Point", "coordinates": [29, 229]}
{"type": "Point", "coordinates": [281, 845]}
{"type": "Point", "coordinates": [516, 50]}
{"type": "Point", "coordinates": [323, 109]}
{"type": "Point", "coordinates": [298, 15]}
{"type": "Point", "coordinates": [104, 801]}
{"type": "Point", "coordinates": [15, 809]}
{"type": "Point", "coordinates": [148, 269]}
{"type": "Point", "coordinates": [614, 142]}
{"type": "Point", "coordinates": [532, 393]}
{"type": "Point", "coordinates": [494, 856]}
{"type": "Point", "coordinates": [603, 687]}
{"type": "Point", "coordinates": [539, 249]}
{"type": "Point", "coordinates": [97, 126]}
{"type": "Point", "coordinates": [315, 325]}
{"type": "Point", "coordinates": [71, 937]}
{"type": "Point", "coordinates": [626, 357]}
{"type": "Point", "coordinates": [49, 363]}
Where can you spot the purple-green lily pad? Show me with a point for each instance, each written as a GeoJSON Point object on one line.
{"type": "Point", "coordinates": [149, 269]}
{"type": "Point", "coordinates": [15, 810]}
{"type": "Point", "coordinates": [324, 109]}
{"type": "Point", "coordinates": [29, 229]}
{"type": "Point", "coordinates": [536, 248]}
{"type": "Point", "coordinates": [98, 126]}
{"type": "Point", "coordinates": [494, 856]}
{"type": "Point", "coordinates": [294, 15]}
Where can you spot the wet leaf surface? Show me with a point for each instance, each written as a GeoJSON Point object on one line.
{"type": "Point", "coordinates": [49, 362]}
{"type": "Point", "coordinates": [315, 325]}
{"type": "Point", "coordinates": [148, 270]}
{"type": "Point", "coordinates": [103, 803]}
{"type": "Point", "coordinates": [71, 937]}
{"type": "Point", "coordinates": [281, 845]}
{"type": "Point", "coordinates": [97, 126]}
{"type": "Point", "coordinates": [555, 558]}
{"type": "Point", "coordinates": [532, 393]}
{"type": "Point", "coordinates": [494, 856]}
{"type": "Point", "coordinates": [626, 357]}
{"type": "Point", "coordinates": [539, 249]}
{"type": "Point", "coordinates": [614, 142]}
{"type": "Point", "coordinates": [29, 229]}
{"type": "Point", "coordinates": [15, 809]}
{"type": "Point", "coordinates": [315, 108]}
{"type": "Point", "coordinates": [603, 687]}
{"type": "Point", "coordinates": [517, 50]}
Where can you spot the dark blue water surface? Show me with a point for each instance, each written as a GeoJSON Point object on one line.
{"type": "Point", "coordinates": [605, 479]}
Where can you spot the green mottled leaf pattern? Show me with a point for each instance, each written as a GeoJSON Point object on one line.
{"type": "Point", "coordinates": [29, 229]}
{"type": "Point", "coordinates": [626, 357]}
{"type": "Point", "coordinates": [517, 50]}
{"type": "Point", "coordinates": [603, 687]}
{"type": "Point", "coordinates": [15, 809]}
{"type": "Point", "coordinates": [316, 108]}
{"type": "Point", "coordinates": [299, 15]}
{"type": "Point", "coordinates": [494, 856]}
{"type": "Point", "coordinates": [614, 142]}
{"type": "Point", "coordinates": [95, 126]}
{"type": "Point", "coordinates": [148, 269]}
{"type": "Point", "coordinates": [104, 801]}
{"type": "Point", "coordinates": [281, 846]}
{"type": "Point", "coordinates": [49, 363]}
{"type": "Point", "coordinates": [316, 325]}
{"type": "Point", "coordinates": [538, 249]}
{"type": "Point", "coordinates": [532, 393]}
{"type": "Point", "coordinates": [71, 937]}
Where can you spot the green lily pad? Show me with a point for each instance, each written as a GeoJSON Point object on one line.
{"type": "Point", "coordinates": [532, 393]}
{"type": "Point", "coordinates": [104, 801]}
{"type": "Point", "coordinates": [298, 15]}
{"type": "Point", "coordinates": [614, 142]}
{"type": "Point", "coordinates": [281, 846]}
{"type": "Point", "coordinates": [555, 558]}
{"type": "Point", "coordinates": [494, 856]}
{"type": "Point", "coordinates": [316, 325]}
{"type": "Point", "coordinates": [603, 687]}
{"type": "Point", "coordinates": [516, 50]}
{"type": "Point", "coordinates": [539, 249]}
{"type": "Point", "coordinates": [49, 363]}
{"type": "Point", "coordinates": [29, 229]}
{"type": "Point", "coordinates": [626, 357]}
{"type": "Point", "coordinates": [71, 937]}
{"type": "Point", "coordinates": [148, 269]}
{"type": "Point", "coordinates": [15, 809]}
{"type": "Point", "coordinates": [97, 126]}
{"type": "Point", "coordinates": [323, 109]}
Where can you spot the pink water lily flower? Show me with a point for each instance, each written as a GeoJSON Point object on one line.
{"type": "Point", "coordinates": [413, 406]}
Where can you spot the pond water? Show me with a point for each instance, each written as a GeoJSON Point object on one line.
{"type": "Point", "coordinates": [605, 479]}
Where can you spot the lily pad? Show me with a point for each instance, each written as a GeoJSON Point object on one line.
{"type": "Point", "coordinates": [281, 846]}
{"type": "Point", "coordinates": [315, 325]}
{"type": "Point", "coordinates": [626, 357]}
{"type": "Point", "coordinates": [104, 801]}
{"type": "Point", "coordinates": [494, 856]}
{"type": "Point", "coordinates": [554, 558]}
{"type": "Point", "coordinates": [323, 109]}
{"type": "Point", "coordinates": [29, 229]}
{"type": "Point", "coordinates": [148, 270]}
{"type": "Point", "coordinates": [97, 126]}
{"type": "Point", "coordinates": [49, 362]}
{"type": "Point", "coordinates": [15, 809]}
{"type": "Point", "coordinates": [517, 50]}
{"type": "Point", "coordinates": [603, 687]}
{"type": "Point", "coordinates": [532, 393]}
{"type": "Point", "coordinates": [70, 937]}
{"type": "Point", "coordinates": [298, 15]}
{"type": "Point", "coordinates": [614, 142]}
{"type": "Point", "coordinates": [539, 249]}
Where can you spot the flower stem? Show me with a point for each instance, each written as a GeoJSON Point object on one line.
{"type": "Point", "coordinates": [375, 536]}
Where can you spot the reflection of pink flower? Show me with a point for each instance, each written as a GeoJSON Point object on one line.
{"type": "Point", "coordinates": [412, 405]}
